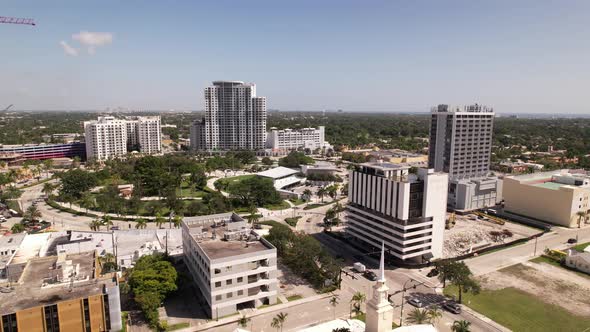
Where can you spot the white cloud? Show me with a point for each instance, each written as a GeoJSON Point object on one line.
{"type": "Point", "coordinates": [69, 50]}
{"type": "Point", "coordinates": [92, 40]}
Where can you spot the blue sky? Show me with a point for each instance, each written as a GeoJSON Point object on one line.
{"type": "Point", "coordinates": [387, 56]}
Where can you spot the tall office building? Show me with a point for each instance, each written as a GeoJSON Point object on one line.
{"type": "Point", "coordinates": [461, 145]}
{"type": "Point", "coordinates": [235, 118]}
{"type": "Point", "coordinates": [105, 138]}
{"type": "Point", "coordinates": [461, 140]}
{"type": "Point", "coordinates": [405, 211]}
{"type": "Point", "coordinates": [109, 137]}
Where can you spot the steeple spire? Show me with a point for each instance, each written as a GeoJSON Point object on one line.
{"type": "Point", "coordinates": [382, 263]}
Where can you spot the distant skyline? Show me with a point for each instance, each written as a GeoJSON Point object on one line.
{"type": "Point", "coordinates": [374, 56]}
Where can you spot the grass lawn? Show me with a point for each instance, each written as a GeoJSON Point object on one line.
{"type": "Point", "coordinates": [315, 205]}
{"type": "Point", "coordinates": [580, 247]}
{"type": "Point", "coordinates": [294, 297]}
{"type": "Point", "coordinates": [292, 221]}
{"type": "Point", "coordinates": [551, 261]}
{"type": "Point", "coordinates": [297, 201]}
{"type": "Point", "coordinates": [281, 206]}
{"type": "Point", "coordinates": [521, 311]}
{"type": "Point", "coordinates": [187, 190]}
{"type": "Point", "coordinates": [226, 181]}
{"type": "Point", "coordinates": [177, 326]}
{"type": "Point", "coordinates": [124, 316]}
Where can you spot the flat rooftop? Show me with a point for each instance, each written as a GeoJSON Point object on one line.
{"type": "Point", "coordinates": [277, 172]}
{"type": "Point", "coordinates": [550, 185]}
{"type": "Point", "coordinates": [34, 287]}
{"type": "Point", "coordinates": [217, 249]}
{"type": "Point", "coordinates": [386, 166]}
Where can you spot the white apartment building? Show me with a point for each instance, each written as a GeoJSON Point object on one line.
{"type": "Point", "coordinates": [461, 145]}
{"type": "Point", "coordinates": [293, 139]}
{"type": "Point", "coordinates": [105, 138]}
{"type": "Point", "coordinates": [232, 267]}
{"type": "Point", "coordinates": [405, 211]}
{"type": "Point", "coordinates": [235, 118]}
{"type": "Point", "coordinates": [109, 137]}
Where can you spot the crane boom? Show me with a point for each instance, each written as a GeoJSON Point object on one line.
{"type": "Point", "coordinates": [16, 20]}
{"type": "Point", "coordinates": [7, 108]}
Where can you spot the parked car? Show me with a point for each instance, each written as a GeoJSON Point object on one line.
{"type": "Point", "coordinates": [432, 273]}
{"type": "Point", "coordinates": [416, 302]}
{"type": "Point", "coordinates": [370, 275]}
{"type": "Point", "coordinates": [114, 228]}
{"type": "Point", "coordinates": [453, 307]}
{"type": "Point", "coordinates": [359, 267]}
{"type": "Point", "coordinates": [572, 241]}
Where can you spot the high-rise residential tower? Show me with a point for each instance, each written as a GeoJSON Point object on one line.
{"type": "Point", "coordinates": [109, 137]}
{"type": "Point", "coordinates": [105, 138]}
{"type": "Point", "coordinates": [404, 211]}
{"type": "Point", "coordinates": [461, 145]}
{"type": "Point", "coordinates": [235, 118]}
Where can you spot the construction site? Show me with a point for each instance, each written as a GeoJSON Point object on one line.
{"type": "Point", "coordinates": [472, 232]}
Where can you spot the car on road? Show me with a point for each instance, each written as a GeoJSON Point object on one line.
{"type": "Point", "coordinates": [416, 302]}
{"type": "Point", "coordinates": [453, 307]}
{"type": "Point", "coordinates": [572, 241]}
{"type": "Point", "coordinates": [370, 275]}
{"type": "Point", "coordinates": [114, 228]}
{"type": "Point", "coordinates": [432, 273]}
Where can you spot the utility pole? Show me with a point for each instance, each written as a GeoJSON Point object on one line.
{"type": "Point", "coordinates": [535, 252]}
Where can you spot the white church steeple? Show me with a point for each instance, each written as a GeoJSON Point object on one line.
{"type": "Point", "coordinates": [379, 310]}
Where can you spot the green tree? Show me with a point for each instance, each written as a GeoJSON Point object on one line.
{"type": "Point", "coordinates": [17, 228]}
{"type": "Point", "coordinates": [95, 225]}
{"type": "Point", "coordinates": [107, 221]}
{"type": "Point", "coordinates": [418, 316]}
{"type": "Point", "coordinates": [267, 161]}
{"type": "Point", "coordinates": [332, 191]}
{"type": "Point", "coordinates": [279, 321]}
{"type": "Point", "coordinates": [243, 321]}
{"type": "Point", "coordinates": [581, 216]}
{"type": "Point", "coordinates": [295, 160]}
{"type": "Point", "coordinates": [48, 188]}
{"type": "Point", "coordinates": [357, 300]}
{"type": "Point", "coordinates": [255, 190]}
{"type": "Point", "coordinates": [140, 223]}
{"type": "Point", "coordinates": [334, 302]}
{"type": "Point", "coordinates": [160, 220]}
{"type": "Point", "coordinates": [460, 275]}
{"type": "Point", "coordinates": [87, 201]}
{"type": "Point", "coordinates": [461, 326]}
{"type": "Point", "coordinates": [434, 314]}
{"type": "Point", "coordinates": [32, 214]}
{"type": "Point", "coordinates": [177, 221]}
{"type": "Point", "coordinates": [76, 181]}
{"type": "Point", "coordinates": [306, 195]}
{"type": "Point", "coordinates": [321, 193]}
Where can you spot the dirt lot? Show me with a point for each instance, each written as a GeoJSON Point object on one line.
{"type": "Point", "coordinates": [549, 283]}
{"type": "Point", "coordinates": [469, 233]}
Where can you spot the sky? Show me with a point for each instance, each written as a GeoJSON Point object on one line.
{"type": "Point", "coordinates": [362, 56]}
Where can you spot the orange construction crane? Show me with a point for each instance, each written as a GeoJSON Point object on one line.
{"type": "Point", "coordinates": [16, 20]}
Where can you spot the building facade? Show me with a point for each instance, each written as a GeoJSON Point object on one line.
{"type": "Point", "coordinates": [461, 145]}
{"type": "Point", "coordinates": [61, 293]}
{"type": "Point", "coordinates": [554, 197]}
{"type": "Point", "coordinates": [235, 118]}
{"type": "Point", "coordinates": [232, 267]}
{"type": "Point", "coordinates": [404, 211]}
{"type": "Point", "coordinates": [43, 151]}
{"type": "Point", "coordinates": [293, 139]}
{"type": "Point", "coordinates": [109, 137]}
{"type": "Point", "coordinates": [105, 138]}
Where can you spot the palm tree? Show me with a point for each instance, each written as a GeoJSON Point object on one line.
{"type": "Point", "coordinates": [106, 221]}
{"type": "Point", "coordinates": [140, 223]}
{"type": "Point", "coordinates": [418, 316]}
{"type": "Point", "coordinates": [48, 188]}
{"type": "Point", "coordinates": [243, 321]}
{"type": "Point", "coordinates": [159, 220]}
{"type": "Point", "coordinates": [306, 195]}
{"type": "Point", "coordinates": [87, 200]}
{"type": "Point", "coordinates": [17, 228]}
{"type": "Point", "coordinates": [95, 225]}
{"type": "Point", "coordinates": [334, 302]}
{"type": "Point", "coordinates": [434, 314]}
{"type": "Point", "coordinates": [332, 191]}
{"type": "Point", "coordinates": [321, 193]}
{"type": "Point", "coordinates": [279, 320]}
{"type": "Point", "coordinates": [461, 326]}
{"type": "Point", "coordinates": [581, 216]}
{"type": "Point", "coordinates": [358, 299]}
{"type": "Point", "coordinates": [177, 220]}
{"type": "Point", "coordinates": [32, 214]}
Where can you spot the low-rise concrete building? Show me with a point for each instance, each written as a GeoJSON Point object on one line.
{"type": "Point", "coordinates": [281, 177]}
{"type": "Point", "coordinates": [232, 267]}
{"type": "Point", "coordinates": [578, 260]}
{"type": "Point", "coordinates": [475, 193]}
{"type": "Point", "coordinates": [555, 197]}
{"type": "Point", "coordinates": [9, 245]}
{"type": "Point", "coordinates": [61, 293]}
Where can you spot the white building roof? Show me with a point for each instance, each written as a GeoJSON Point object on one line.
{"type": "Point", "coordinates": [416, 328]}
{"type": "Point", "coordinates": [353, 325]}
{"type": "Point", "coordinates": [277, 173]}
